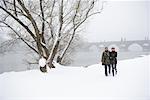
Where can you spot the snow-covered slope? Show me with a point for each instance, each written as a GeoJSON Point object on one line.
{"type": "Point", "coordinates": [79, 83]}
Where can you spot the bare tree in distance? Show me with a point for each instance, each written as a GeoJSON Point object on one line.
{"type": "Point", "coordinates": [47, 27]}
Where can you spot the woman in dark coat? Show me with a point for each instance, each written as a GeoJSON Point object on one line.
{"type": "Point", "coordinates": [113, 60]}
{"type": "Point", "coordinates": [106, 60]}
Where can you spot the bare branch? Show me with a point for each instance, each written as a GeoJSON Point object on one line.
{"type": "Point", "coordinates": [20, 37]}
{"type": "Point", "coordinates": [30, 17]}
{"type": "Point", "coordinates": [42, 12]}
{"type": "Point", "coordinates": [20, 22]}
{"type": "Point", "coordinates": [5, 3]}
{"type": "Point", "coordinates": [15, 11]}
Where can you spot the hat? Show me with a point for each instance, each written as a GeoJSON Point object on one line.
{"type": "Point", "coordinates": [106, 47]}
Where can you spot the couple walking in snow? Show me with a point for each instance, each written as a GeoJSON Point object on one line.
{"type": "Point", "coordinates": [109, 60]}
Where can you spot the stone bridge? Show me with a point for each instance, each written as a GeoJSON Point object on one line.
{"type": "Point", "coordinates": [139, 45]}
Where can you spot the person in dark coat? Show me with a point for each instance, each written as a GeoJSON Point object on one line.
{"type": "Point", "coordinates": [113, 60]}
{"type": "Point", "coordinates": [106, 60]}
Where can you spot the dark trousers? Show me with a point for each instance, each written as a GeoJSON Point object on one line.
{"type": "Point", "coordinates": [107, 67]}
{"type": "Point", "coordinates": [114, 69]}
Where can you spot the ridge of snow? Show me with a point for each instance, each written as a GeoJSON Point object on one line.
{"type": "Point", "coordinates": [79, 83]}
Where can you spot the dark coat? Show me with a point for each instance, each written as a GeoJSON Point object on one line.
{"type": "Point", "coordinates": [105, 58]}
{"type": "Point", "coordinates": [113, 57]}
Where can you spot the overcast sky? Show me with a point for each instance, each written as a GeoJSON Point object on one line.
{"type": "Point", "coordinates": [127, 19]}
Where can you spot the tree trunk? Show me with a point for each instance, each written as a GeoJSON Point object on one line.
{"type": "Point", "coordinates": [59, 58]}
{"type": "Point", "coordinates": [56, 44]}
{"type": "Point", "coordinates": [52, 55]}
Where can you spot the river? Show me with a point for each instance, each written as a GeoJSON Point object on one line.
{"type": "Point", "coordinates": [15, 61]}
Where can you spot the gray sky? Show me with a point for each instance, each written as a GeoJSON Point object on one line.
{"type": "Point", "coordinates": [127, 19]}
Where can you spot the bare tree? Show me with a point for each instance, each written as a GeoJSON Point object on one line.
{"type": "Point", "coordinates": [47, 27]}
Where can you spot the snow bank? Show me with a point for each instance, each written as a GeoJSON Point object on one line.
{"type": "Point", "coordinates": [79, 83]}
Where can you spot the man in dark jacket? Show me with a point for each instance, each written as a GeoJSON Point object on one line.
{"type": "Point", "coordinates": [106, 60]}
{"type": "Point", "coordinates": [113, 60]}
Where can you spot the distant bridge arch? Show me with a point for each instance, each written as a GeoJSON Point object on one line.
{"type": "Point", "coordinates": [135, 47]}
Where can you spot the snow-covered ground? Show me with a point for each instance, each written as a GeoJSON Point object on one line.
{"type": "Point", "coordinates": [80, 83]}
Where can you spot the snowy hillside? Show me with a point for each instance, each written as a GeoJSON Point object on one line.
{"type": "Point", "coordinates": [79, 83]}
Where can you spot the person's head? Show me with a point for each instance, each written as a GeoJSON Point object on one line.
{"type": "Point", "coordinates": [106, 48]}
{"type": "Point", "coordinates": [113, 49]}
